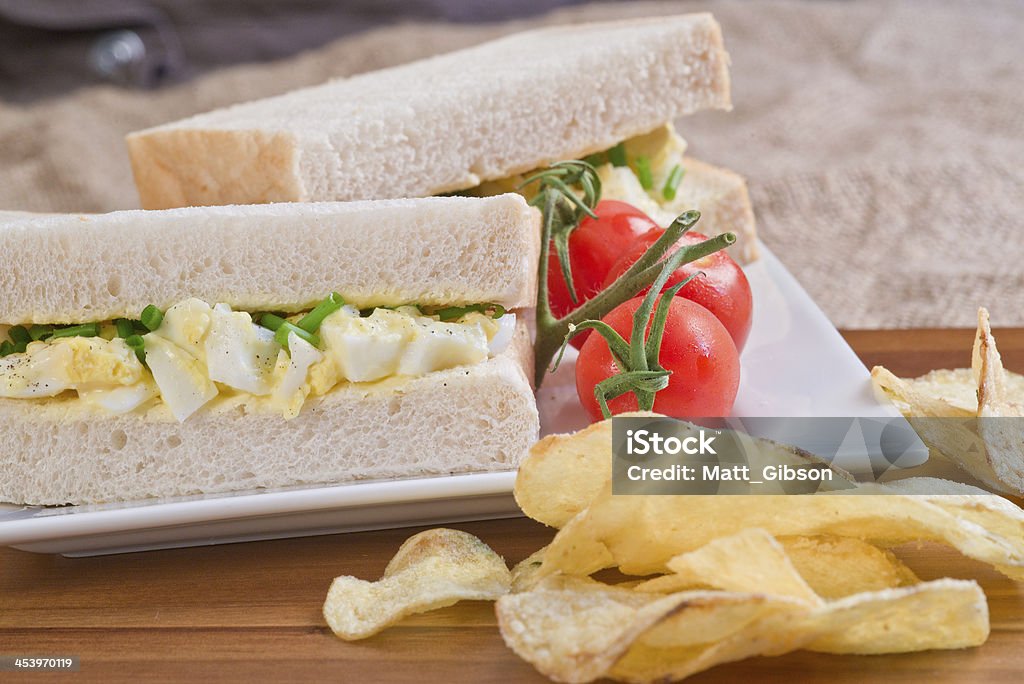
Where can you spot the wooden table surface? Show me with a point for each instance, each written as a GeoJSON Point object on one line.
{"type": "Point", "coordinates": [251, 612]}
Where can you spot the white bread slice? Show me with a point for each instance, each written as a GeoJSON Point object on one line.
{"type": "Point", "coordinates": [466, 419]}
{"type": "Point", "coordinates": [441, 251]}
{"type": "Point", "coordinates": [441, 124]}
{"type": "Point", "coordinates": [721, 197]}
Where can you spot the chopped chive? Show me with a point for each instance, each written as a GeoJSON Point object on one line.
{"type": "Point", "coordinates": [19, 335]}
{"type": "Point", "coordinates": [281, 335]}
{"type": "Point", "coordinates": [453, 313]}
{"type": "Point", "coordinates": [675, 177]}
{"type": "Point", "coordinates": [617, 155]}
{"type": "Point", "coordinates": [311, 321]}
{"type": "Point", "coordinates": [85, 330]}
{"type": "Point", "coordinates": [40, 332]}
{"type": "Point", "coordinates": [271, 321]}
{"type": "Point", "coordinates": [643, 172]}
{"type": "Point", "coordinates": [152, 317]}
{"type": "Point", "coordinates": [6, 348]}
{"type": "Point", "coordinates": [125, 328]}
{"type": "Point", "coordinates": [138, 345]}
{"type": "Point", "coordinates": [596, 159]}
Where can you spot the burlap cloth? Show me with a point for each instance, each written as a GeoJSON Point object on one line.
{"type": "Point", "coordinates": [883, 142]}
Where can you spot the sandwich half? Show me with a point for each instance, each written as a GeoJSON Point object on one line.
{"type": "Point", "coordinates": [473, 121]}
{"type": "Point", "coordinates": [190, 351]}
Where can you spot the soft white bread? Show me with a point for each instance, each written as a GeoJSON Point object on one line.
{"type": "Point", "coordinates": [721, 197]}
{"type": "Point", "coordinates": [441, 124]}
{"type": "Point", "coordinates": [466, 419]}
{"type": "Point", "coordinates": [432, 251]}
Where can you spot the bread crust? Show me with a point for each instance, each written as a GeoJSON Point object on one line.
{"type": "Point", "coordinates": [441, 124]}
{"type": "Point", "coordinates": [431, 251]}
{"type": "Point", "coordinates": [468, 419]}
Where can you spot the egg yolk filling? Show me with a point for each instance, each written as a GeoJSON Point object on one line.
{"type": "Point", "coordinates": [199, 352]}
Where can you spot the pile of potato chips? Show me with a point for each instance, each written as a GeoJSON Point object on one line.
{"type": "Point", "coordinates": [720, 578]}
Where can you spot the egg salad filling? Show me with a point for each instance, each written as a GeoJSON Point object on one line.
{"type": "Point", "coordinates": [646, 171]}
{"type": "Point", "coordinates": [193, 353]}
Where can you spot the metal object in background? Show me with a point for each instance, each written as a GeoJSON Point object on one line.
{"type": "Point", "coordinates": [50, 47]}
{"type": "Point", "coordinates": [119, 56]}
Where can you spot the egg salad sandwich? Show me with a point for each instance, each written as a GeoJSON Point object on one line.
{"type": "Point", "coordinates": [475, 121]}
{"type": "Point", "coordinates": [213, 349]}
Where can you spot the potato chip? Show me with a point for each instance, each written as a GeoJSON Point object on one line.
{"type": "Point", "coordinates": [927, 396]}
{"type": "Point", "coordinates": [973, 504]}
{"type": "Point", "coordinates": [750, 560]}
{"type": "Point", "coordinates": [804, 567]}
{"type": "Point", "coordinates": [945, 613]}
{"type": "Point", "coordinates": [562, 474]}
{"type": "Point", "coordinates": [575, 630]}
{"type": "Point", "coordinates": [524, 574]}
{"type": "Point", "coordinates": [835, 567]}
{"type": "Point", "coordinates": [981, 438]}
{"type": "Point", "coordinates": [1004, 441]}
{"type": "Point", "coordinates": [431, 570]}
{"type": "Point", "coordinates": [639, 534]}
{"type": "Point", "coordinates": [941, 614]}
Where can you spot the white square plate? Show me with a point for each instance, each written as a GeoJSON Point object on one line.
{"type": "Point", "coordinates": [795, 364]}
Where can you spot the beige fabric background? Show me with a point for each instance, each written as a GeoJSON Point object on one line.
{"type": "Point", "coordinates": [883, 141]}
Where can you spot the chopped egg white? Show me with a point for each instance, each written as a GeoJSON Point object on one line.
{"type": "Point", "coordinates": [185, 325]}
{"type": "Point", "coordinates": [120, 399]}
{"type": "Point", "coordinates": [238, 353]}
{"type": "Point", "coordinates": [184, 385]}
{"type": "Point", "coordinates": [366, 349]}
{"type": "Point", "coordinates": [435, 345]}
{"type": "Point", "coordinates": [502, 336]}
{"type": "Point", "coordinates": [291, 390]}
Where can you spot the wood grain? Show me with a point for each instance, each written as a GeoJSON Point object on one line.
{"type": "Point", "coordinates": [251, 612]}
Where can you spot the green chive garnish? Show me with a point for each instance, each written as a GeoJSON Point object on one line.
{"type": "Point", "coordinates": [271, 321]}
{"type": "Point", "coordinates": [453, 313]}
{"type": "Point", "coordinates": [281, 336]}
{"type": "Point", "coordinates": [675, 177]}
{"type": "Point", "coordinates": [138, 345]}
{"type": "Point", "coordinates": [152, 317]}
{"type": "Point", "coordinates": [125, 328]}
{"type": "Point", "coordinates": [643, 172]}
{"type": "Point", "coordinates": [40, 332]}
{"type": "Point", "coordinates": [617, 155]}
{"type": "Point", "coordinates": [85, 330]}
{"type": "Point", "coordinates": [6, 348]}
{"type": "Point", "coordinates": [19, 335]}
{"type": "Point", "coordinates": [311, 321]}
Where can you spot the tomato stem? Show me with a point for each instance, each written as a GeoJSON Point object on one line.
{"type": "Point", "coordinates": [563, 208]}
{"type": "Point", "coordinates": [552, 332]}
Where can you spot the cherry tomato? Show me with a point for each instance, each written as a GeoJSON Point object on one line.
{"type": "Point", "coordinates": [722, 289]}
{"type": "Point", "coordinates": [696, 347]}
{"type": "Point", "coordinates": [594, 247]}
